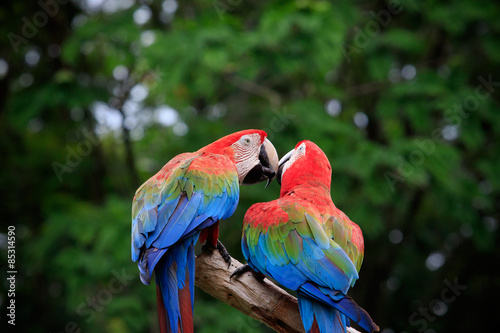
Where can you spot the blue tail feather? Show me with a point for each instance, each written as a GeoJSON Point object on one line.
{"type": "Point", "coordinates": [346, 306]}
{"type": "Point", "coordinates": [171, 274]}
{"type": "Point", "coordinates": [327, 318]}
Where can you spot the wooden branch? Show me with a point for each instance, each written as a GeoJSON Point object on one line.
{"type": "Point", "coordinates": [261, 300]}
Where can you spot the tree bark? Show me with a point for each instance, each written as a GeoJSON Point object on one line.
{"type": "Point", "coordinates": [261, 300]}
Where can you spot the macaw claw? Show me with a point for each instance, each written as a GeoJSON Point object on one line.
{"type": "Point", "coordinates": [222, 250]}
{"type": "Point", "coordinates": [224, 253]}
{"type": "Point", "coordinates": [246, 268]}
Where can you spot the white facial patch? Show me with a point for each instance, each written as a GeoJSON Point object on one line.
{"type": "Point", "coordinates": [246, 154]}
{"type": "Point", "coordinates": [296, 154]}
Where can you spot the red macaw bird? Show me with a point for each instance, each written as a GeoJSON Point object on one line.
{"type": "Point", "coordinates": [307, 244]}
{"type": "Point", "coordinates": [183, 203]}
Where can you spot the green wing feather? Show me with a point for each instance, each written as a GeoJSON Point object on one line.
{"type": "Point", "coordinates": [276, 235]}
{"type": "Point", "coordinates": [341, 230]}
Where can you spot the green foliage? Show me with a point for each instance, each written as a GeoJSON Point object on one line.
{"type": "Point", "coordinates": [402, 97]}
{"type": "Point", "coordinates": [78, 250]}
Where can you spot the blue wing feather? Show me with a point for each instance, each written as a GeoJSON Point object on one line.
{"type": "Point", "coordinates": [182, 217]}
{"type": "Point", "coordinates": [168, 218]}
{"type": "Point", "coordinates": [312, 265]}
{"type": "Point", "coordinates": [321, 282]}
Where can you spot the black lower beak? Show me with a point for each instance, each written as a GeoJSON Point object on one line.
{"type": "Point", "coordinates": [281, 166]}
{"type": "Point", "coordinates": [261, 171]}
{"type": "Point", "coordinates": [280, 173]}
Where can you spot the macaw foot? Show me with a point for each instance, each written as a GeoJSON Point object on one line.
{"type": "Point", "coordinates": [246, 268]}
{"type": "Point", "coordinates": [222, 250]}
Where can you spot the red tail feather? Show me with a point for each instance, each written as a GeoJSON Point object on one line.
{"type": "Point", "coordinates": [162, 316]}
{"type": "Point", "coordinates": [186, 308]}
{"type": "Point", "coordinates": [314, 327]}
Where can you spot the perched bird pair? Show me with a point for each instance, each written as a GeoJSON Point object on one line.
{"type": "Point", "coordinates": [301, 239]}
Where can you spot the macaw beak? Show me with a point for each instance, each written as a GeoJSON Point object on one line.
{"type": "Point", "coordinates": [281, 164]}
{"type": "Point", "coordinates": [267, 167]}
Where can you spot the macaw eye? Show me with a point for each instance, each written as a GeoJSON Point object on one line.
{"type": "Point", "coordinates": [246, 141]}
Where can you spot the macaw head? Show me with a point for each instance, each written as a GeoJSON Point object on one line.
{"type": "Point", "coordinates": [255, 157]}
{"type": "Point", "coordinates": [305, 164]}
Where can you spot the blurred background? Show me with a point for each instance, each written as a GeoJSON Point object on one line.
{"type": "Point", "coordinates": [403, 96]}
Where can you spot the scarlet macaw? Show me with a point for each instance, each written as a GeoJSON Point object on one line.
{"type": "Point", "coordinates": [183, 203]}
{"type": "Point", "coordinates": [307, 244]}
